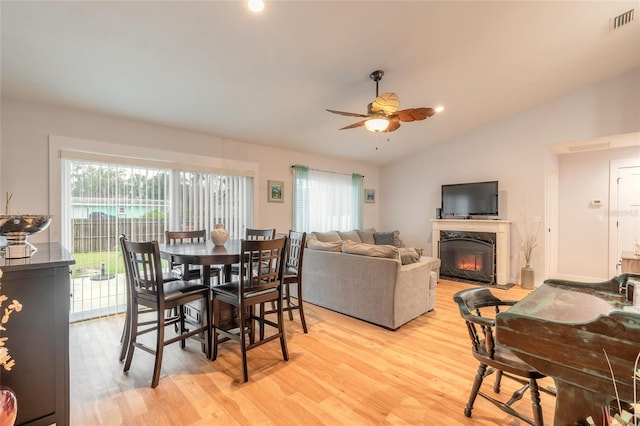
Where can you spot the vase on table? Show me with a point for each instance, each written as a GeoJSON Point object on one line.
{"type": "Point", "coordinates": [219, 235]}
{"type": "Point", "coordinates": [8, 406]}
{"type": "Point", "coordinates": [527, 277]}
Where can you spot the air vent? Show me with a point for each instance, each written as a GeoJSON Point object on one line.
{"type": "Point", "coordinates": [588, 147]}
{"type": "Point", "coordinates": [624, 19]}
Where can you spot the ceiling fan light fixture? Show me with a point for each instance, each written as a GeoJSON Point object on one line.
{"type": "Point", "coordinates": [377, 124]}
{"type": "Point", "coordinates": [439, 108]}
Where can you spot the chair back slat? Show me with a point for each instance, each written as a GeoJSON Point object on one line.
{"type": "Point", "coordinates": [177, 237]}
{"type": "Point", "coordinates": [472, 303]}
{"type": "Point", "coordinates": [145, 267]}
{"type": "Point", "coordinates": [263, 267]}
{"type": "Point", "coordinates": [260, 234]}
{"type": "Point", "coordinates": [295, 250]}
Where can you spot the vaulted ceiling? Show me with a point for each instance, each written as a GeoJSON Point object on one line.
{"type": "Point", "coordinates": [214, 67]}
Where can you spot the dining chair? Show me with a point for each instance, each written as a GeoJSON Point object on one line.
{"type": "Point", "coordinates": [478, 307]}
{"type": "Point", "coordinates": [147, 289]}
{"type": "Point", "coordinates": [253, 234]}
{"type": "Point", "coordinates": [260, 282]}
{"type": "Point", "coordinates": [126, 329]}
{"type": "Point", "coordinates": [292, 276]}
{"type": "Point", "coordinates": [192, 271]}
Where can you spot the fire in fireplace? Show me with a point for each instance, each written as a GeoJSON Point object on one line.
{"type": "Point", "coordinates": [469, 261]}
{"type": "Point", "coordinates": [468, 255]}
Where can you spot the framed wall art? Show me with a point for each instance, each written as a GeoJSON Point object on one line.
{"type": "Point", "coordinates": [369, 195]}
{"type": "Point", "coordinates": [275, 191]}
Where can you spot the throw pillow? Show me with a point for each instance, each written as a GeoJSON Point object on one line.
{"type": "Point", "coordinates": [389, 238]}
{"type": "Point", "coordinates": [351, 236]}
{"type": "Point", "coordinates": [396, 239]}
{"type": "Point", "coordinates": [366, 235]}
{"type": "Point", "coordinates": [408, 255]}
{"type": "Point", "coordinates": [328, 236]}
{"type": "Point", "coordinates": [383, 238]}
{"type": "Point", "coordinates": [372, 250]}
{"type": "Point", "coordinates": [325, 246]}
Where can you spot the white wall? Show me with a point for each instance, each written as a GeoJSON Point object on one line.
{"type": "Point", "coordinates": [24, 162]}
{"type": "Point", "coordinates": [514, 151]}
{"type": "Point", "coordinates": [583, 178]}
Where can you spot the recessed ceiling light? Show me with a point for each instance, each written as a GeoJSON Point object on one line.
{"type": "Point", "coordinates": [256, 6]}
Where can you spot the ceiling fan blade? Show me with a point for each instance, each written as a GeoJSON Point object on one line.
{"type": "Point", "coordinates": [354, 125]}
{"type": "Point", "coordinates": [413, 114]}
{"type": "Point", "coordinates": [394, 124]}
{"type": "Point", "coordinates": [387, 103]}
{"type": "Point", "coordinates": [350, 114]}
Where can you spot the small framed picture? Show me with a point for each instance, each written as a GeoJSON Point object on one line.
{"type": "Point", "coordinates": [369, 195]}
{"type": "Point", "coordinates": [275, 191]}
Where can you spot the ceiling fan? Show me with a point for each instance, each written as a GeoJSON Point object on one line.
{"type": "Point", "coordinates": [383, 114]}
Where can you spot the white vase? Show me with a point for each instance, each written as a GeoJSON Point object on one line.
{"type": "Point", "coordinates": [527, 277]}
{"type": "Point", "coordinates": [219, 235]}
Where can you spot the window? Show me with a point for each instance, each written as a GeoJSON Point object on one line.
{"type": "Point", "coordinates": [103, 199]}
{"type": "Point", "coordinates": [324, 201]}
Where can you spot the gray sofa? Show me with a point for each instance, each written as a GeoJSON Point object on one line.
{"type": "Point", "coordinates": [379, 290]}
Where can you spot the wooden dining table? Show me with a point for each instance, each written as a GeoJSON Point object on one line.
{"type": "Point", "coordinates": [204, 254]}
{"type": "Point", "coordinates": [568, 332]}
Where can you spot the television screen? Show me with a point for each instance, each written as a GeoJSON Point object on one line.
{"type": "Point", "coordinates": [470, 199]}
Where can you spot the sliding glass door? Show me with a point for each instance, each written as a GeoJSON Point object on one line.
{"type": "Point", "coordinates": [102, 200]}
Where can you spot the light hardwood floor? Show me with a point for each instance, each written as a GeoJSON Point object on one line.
{"type": "Point", "coordinates": [345, 371]}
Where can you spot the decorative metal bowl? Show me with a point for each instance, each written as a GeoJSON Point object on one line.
{"type": "Point", "coordinates": [17, 227]}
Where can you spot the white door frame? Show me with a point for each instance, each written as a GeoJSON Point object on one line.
{"type": "Point", "coordinates": [614, 165]}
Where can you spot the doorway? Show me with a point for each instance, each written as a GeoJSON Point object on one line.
{"type": "Point", "coordinates": [624, 213]}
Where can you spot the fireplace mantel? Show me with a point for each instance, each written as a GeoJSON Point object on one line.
{"type": "Point", "coordinates": [503, 239]}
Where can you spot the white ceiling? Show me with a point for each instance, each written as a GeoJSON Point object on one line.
{"type": "Point", "coordinates": [216, 68]}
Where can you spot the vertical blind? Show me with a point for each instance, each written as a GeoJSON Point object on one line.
{"type": "Point", "coordinates": [324, 201]}
{"type": "Point", "coordinates": [102, 200]}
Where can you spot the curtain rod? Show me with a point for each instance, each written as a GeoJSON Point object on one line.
{"type": "Point", "coordinates": [325, 171]}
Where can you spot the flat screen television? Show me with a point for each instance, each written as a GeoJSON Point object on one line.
{"type": "Point", "coordinates": [465, 200]}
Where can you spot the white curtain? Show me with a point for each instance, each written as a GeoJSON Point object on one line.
{"type": "Point", "coordinates": [325, 201]}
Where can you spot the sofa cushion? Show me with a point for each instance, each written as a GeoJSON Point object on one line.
{"type": "Point", "coordinates": [372, 250]}
{"type": "Point", "coordinates": [328, 236]}
{"type": "Point", "coordinates": [351, 236]}
{"type": "Point", "coordinates": [408, 255]}
{"type": "Point", "coordinates": [325, 246]}
{"type": "Point", "coordinates": [366, 235]}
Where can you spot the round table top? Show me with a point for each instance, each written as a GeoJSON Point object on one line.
{"type": "Point", "coordinates": [204, 253]}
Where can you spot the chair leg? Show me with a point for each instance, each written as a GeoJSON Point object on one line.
{"type": "Point", "coordinates": [250, 315]}
{"type": "Point", "coordinates": [133, 328]}
{"type": "Point", "coordinates": [287, 297]}
{"type": "Point", "coordinates": [535, 403]}
{"type": "Point", "coordinates": [243, 341]}
{"type": "Point", "coordinates": [126, 332]}
{"type": "Point", "coordinates": [474, 389]}
{"type": "Point", "coordinates": [283, 341]}
{"type": "Point", "coordinates": [214, 329]}
{"type": "Point", "coordinates": [159, 350]}
{"type": "Point", "coordinates": [300, 309]}
{"type": "Point", "coordinates": [183, 329]}
{"type": "Point", "coordinates": [496, 383]}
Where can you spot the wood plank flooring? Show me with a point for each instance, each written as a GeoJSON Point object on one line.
{"type": "Point", "coordinates": [343, 372]}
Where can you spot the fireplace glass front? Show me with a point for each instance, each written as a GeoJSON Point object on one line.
{"type": "Point", "coordinates": [468, 255]}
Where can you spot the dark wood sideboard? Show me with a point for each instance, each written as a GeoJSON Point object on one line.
{"type": "Point", "coordinates": [38, 336]}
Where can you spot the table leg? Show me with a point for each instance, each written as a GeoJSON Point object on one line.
{"type": "Point", "coordinates": [574, 404]}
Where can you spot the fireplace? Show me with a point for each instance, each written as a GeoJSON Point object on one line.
{"type": "Point", "coordinates": [486, 258]}
{"type": "Point", "coordinates": [468, 255]}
